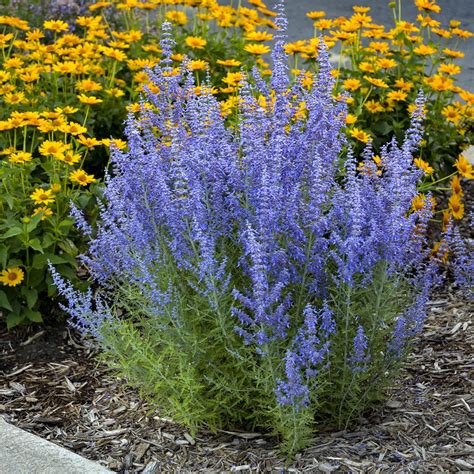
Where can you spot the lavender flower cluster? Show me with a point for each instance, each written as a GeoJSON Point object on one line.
{"type": "Point", "coordinates": [265, 211]}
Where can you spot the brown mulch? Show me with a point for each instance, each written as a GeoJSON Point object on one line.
{"type": "Point", "coordinates": [51, 385]}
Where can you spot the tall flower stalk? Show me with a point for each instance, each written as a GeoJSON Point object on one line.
{"type": "Point", "coordinates": [256, 275]}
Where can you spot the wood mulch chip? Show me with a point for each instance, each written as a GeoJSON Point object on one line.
{"type": "Point", "coordinates": [51, 385]}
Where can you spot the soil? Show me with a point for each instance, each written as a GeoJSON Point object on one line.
{"type": "Point", "coordinates": [52, 385]}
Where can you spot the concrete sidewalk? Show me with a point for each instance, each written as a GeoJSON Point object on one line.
{"type": "Point", "coordinates": [25, 453]}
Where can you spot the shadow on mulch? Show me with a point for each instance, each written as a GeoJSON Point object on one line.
{"type": "Point", "coordinates": [52, 385]}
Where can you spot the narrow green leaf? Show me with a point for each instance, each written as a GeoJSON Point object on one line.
{"type": "Point", "coordinates": [4, 303]}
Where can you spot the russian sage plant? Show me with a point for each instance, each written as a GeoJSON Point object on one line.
{"type": "Point", "coordinates": [256, 275]}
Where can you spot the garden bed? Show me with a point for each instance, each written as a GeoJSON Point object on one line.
{"type": "Point", "coordinates": [52, 386]}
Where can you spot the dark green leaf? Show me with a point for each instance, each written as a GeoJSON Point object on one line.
{"type": "Point", "coordinates": [11, 233]}
{"type": "Point", "coordinates": [31, 296]}
{"type": "Point", "coordinates": [32, 315]}
{"type": "Point", "coordinates": [14, 319]}
{"type": "Point", "coordinates": [4, 303]}
{"type": "Point", "coordinates": [35, 244]}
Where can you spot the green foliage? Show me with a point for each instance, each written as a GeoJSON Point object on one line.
{"type": "Point", "coordinates": [30, 236]}
{"type": "Point", "coordinates": [195, 368]}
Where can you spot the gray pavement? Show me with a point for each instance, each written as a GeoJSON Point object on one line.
{"type": "Point", "coordinates": [299, 26]}
{"type": "Point", "coordinates": [25, 453]}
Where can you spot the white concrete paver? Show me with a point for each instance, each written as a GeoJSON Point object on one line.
{"type": "Point", "coordinates": [24, 453]}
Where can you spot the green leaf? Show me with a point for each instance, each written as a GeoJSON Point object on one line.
{"type": "Point", "coordinates": [37, 279]}
{"type": "Point", "coordinates": [383, 128]}
{"type": "Point", "coordinates": [48, 240]}
{"type": "Point", "coordinates": [33, 224]}
{"type": "Point", "coordinates": [14, 319]}
{"type": "Point", "coordinates": [11, 233]}
{"type": "Point", "coordinates": [31, 296]}
{"type": "Point", "coordinates": [3, 255]}
{"type": "Point", "coordinates": [35, 244]}
{"type": "Point", "coordinates": [65, 225]}
{"type": "Point", "coordinates": [32, 315]}
{"type": "Point", "coordinates": [10, 200]}
{"type": "Point", "coordinates": [68, 246]}
{"type": "Point", "coordinates": [4, 303]}
{"type": "Point", "coordinates": [41, 260]}
{"type": "Point", "coordinates": [67, 271]}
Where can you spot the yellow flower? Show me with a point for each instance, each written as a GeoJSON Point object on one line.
{"type": "Point", "coordinates": [376, 82]}
{"type": "Point", "coordinates": [177, 17]}
{"type": "Point", "coordinates": [427, 5]}
{"type": "Point", "coordinates": [423, 165]}
{"type": "Point", "coordinates": [456, 206]}
{"type": "Point", "coordinates": [360, 135]}
{"type": "Point", "coordinates": [352, 84]}
{"type": "Point", "coordinates": [258, 36]}
{"type": "Point", "coordinates": [198, 65]}
{"type": "Point", "coordinates": [424, 50]}
{"type": "Point", "coordinates": [20, 157]}
{"type": "Point", "coordinates": [403, 85]}
{"type": "Point", "coordinates": [440, 251]}
{"type": "Point", "coordinates": [351, 119]}
{"type": "Point", "coordinates": [195, 42]}
{"type": "Point", "coordinates": [451, 113]}
{"type": "Point", "coordinates": [67, 110]}
{"type": "Point", "coordinates": [4, 39]}
{"type": "Point", "coordinates": [445, 220]}
{"type": "Point", "coordinates": [73, 128]}
{"type": "Point", "coordinates": [467, 96]}
{"type": "Point", "coordinates": [396, 96]}
{"type": "Point", "coordinates": [377, 160]}
{"type": "Point", "coordinates": [13, 98]}
{"type": "Point", "coordinates": [115, 92]}
{"type": "Point", "coordinates": [69, 158]}
{"type": "Point", "coordinates": [453, 53]}
{"type": "Point", "coordinates": [418, 202]}
{"type": "Point", "coordinates": [87, 85]}
{"type": "Point", "coordinates": [89, 99]}
{"type": "Point", "coordinates": [379, 46]}
{"type": "Point", "coordinates": [56, 25]}
{"type": "Point", "coordinates": [42, 196]}
{"type": "Point", "coordinates": [386, 63]}
{"type": "Point", "coordinates": [316, 15]}
{"type": "Point", "coordinates": [296, 47]}
{"type": "Point", "coordinates": [228, 62]}
{"type": "Point", "coordinates": [98, 5]}
{"type": "Point", "coordinates": [115, 54]}
{"type": "Point", "coordinates": [14, 22]}
{"type": "Point", "coordinates": [257, 49]}
{"type": "Point", "coordinates": [374, 106]}
{"type": "Point", "coordinates": [120, 144]}
{"type": "Point", "coordinates": [12, 276]}
{"type": "Point", "coordinates": [323, 24]}
{"type": "Point", "coordinates": [81, 178]}
{"type": "Point", "coordinates": [47, 212]}
{"type": "Point", "coordinates": [89, 142]}
{"type": "Point", "coordinates": [439, 83]}
{"type": "Point", "coordinates": [442, 32]}
{"type": "Point", "coordinates": [456, 185]}
{"type": "Point", "coordinates": [367, 67]}
{"type": "Point", "coordinates": [232, 79]}
{"type": "Point", "coordinates": [464, 167]}
{"type": "Point", "coordinates": [52, 148]}
{"type": "Point", "coordinates": [462, 33]}
{"type": "Point", "coordinates": [450, 69]}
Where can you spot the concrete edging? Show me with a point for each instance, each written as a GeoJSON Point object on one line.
{"type": "Point", "coordinates": [25, 453]}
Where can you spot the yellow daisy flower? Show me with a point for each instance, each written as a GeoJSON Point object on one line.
{"type": "Point", "coordinates": [12, 276]}
{"type": "Point", "coordinates": [81, 178]}
{"type": "Point", "coordinates": [42, 196]}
